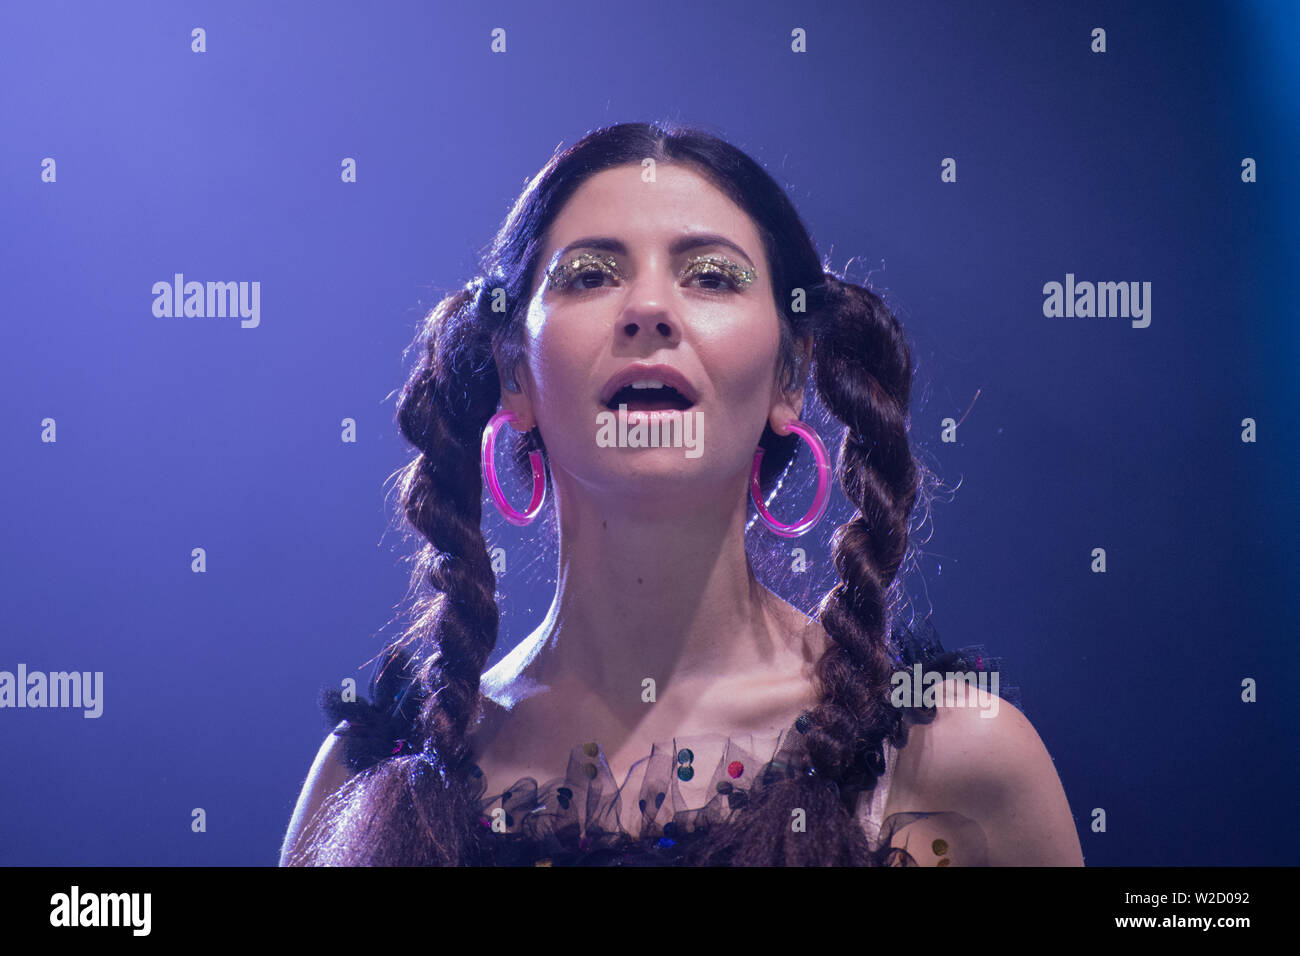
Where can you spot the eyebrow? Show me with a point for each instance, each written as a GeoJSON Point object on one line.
{"type": "Point", "coordinates": [682, 244]}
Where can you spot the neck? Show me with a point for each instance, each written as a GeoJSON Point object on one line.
{"type": "Point", "coordinates": [653, 586]}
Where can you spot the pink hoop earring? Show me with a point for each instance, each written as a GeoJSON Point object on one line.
{"type": "Point", "coordinates": [490, 473]}
{"type": "Point", "coordinates": [820, 502]}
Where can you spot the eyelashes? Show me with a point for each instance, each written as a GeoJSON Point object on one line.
{"type": "Point", "coordinates": [564, 274]}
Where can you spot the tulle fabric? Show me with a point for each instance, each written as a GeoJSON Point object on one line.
{"type": "Point", "coordinates": [651, 818]}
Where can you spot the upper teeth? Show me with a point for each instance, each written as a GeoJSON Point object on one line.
{"type": "Point", "coordinates": [648, 383]}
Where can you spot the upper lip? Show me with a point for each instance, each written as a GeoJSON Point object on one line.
{"type": "Point", "coordinates": [637, 371]}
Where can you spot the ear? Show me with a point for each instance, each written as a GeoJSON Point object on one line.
{"type": "Point", "coordinates": [520, 402]}
{"type": "Point", "coordinates": [788, 406]}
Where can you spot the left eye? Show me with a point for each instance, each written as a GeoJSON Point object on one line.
{"type": "Point", "coordinates": [713, 275]}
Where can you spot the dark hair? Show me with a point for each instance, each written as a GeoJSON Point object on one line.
{"type": "Point", "coordinates": [418, 806]}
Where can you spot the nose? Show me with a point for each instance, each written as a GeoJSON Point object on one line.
{"type": "Point", "coordinates": [649, 307]}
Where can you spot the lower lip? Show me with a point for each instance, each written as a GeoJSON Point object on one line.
{"type": "Point", "coordinates": [635, 415]}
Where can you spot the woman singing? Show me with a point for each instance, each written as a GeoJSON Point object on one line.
{"type": "Point", "coordinates": [653, 280]}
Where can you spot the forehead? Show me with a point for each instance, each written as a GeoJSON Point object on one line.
{"type": "Point", "coordinates": [616, 203]}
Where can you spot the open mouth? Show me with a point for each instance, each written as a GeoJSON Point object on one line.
{"type": "Point", "coordinates": [648, 399]}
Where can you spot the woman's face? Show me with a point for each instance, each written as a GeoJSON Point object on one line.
{"type": "Point", "coordinates": [657, 303]}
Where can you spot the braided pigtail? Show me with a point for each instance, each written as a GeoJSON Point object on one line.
{"type": "Point", "coordinates": [864, 376]}
{"type": "Point", "coordinates": [442, 411]}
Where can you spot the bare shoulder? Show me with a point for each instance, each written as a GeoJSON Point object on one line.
{"type": "Point", "coordinates": [328, 772]}
{"type": "Point", "coordinates": [981, 772]}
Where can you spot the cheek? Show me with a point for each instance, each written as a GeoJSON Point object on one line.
{"type": "Point", "coordinates": [742, 355]}
{"type": "Point", "coordinates": [561, 362]}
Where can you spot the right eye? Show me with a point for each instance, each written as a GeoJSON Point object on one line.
{"type": "Point", "coordinates": [577, 274]}
{"type": "Point", "coordinates": [580, 282]}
